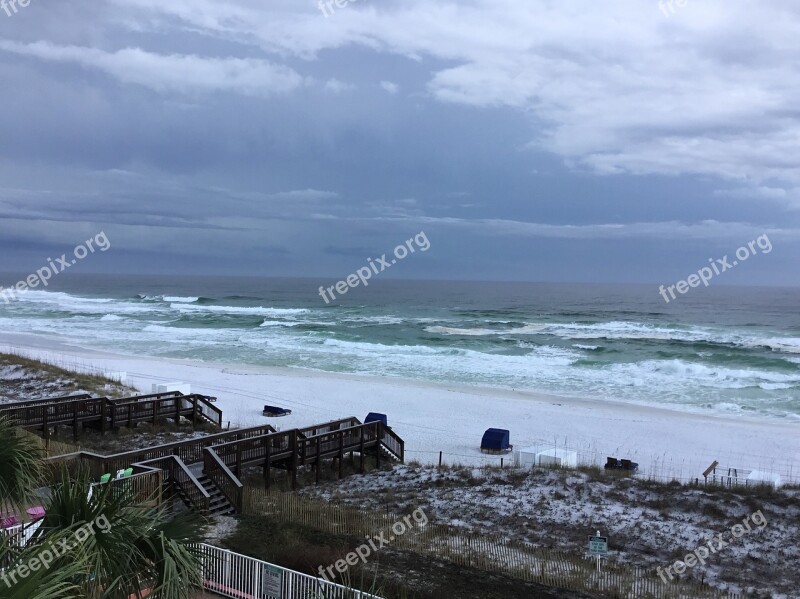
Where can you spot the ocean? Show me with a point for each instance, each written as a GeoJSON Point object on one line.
{"type": "Point", "coordinates": [721, 349]}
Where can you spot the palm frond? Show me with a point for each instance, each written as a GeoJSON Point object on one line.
{"type": "Point", "coordinates": [21, 465]}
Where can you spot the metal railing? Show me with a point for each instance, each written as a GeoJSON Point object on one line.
{"type": "Point", "coordinates": [233, 575]}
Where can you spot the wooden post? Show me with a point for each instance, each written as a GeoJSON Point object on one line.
{"type": "Point", "coordinates": [709, 470]}
{"type": "Point", "coordinates": [75, 420]}
{"type": "Point", "coordinates": [378, 445]}
{"type": "Point", "coordinates": [45, 425]}
{"type": "Point", "coordinates": [178, 406]}
{"type": "Point", "coordinates": [293, 462]}
{"type": "Point", "coordinates": [103, 402]}
{"type": "Point", "coordinates": [238, 458]}
{"type": "Point", "coordinates": [440, 459]}
{"type": "Point", "coordinates": [361, 467]}
{"type": "Point", "coordinates": [194, 412]}
{"type": "Point", "coordinates": [317, 464]}
{"type": "Point", "coordinates": [130, 415]}
{"type": "Point", "coordinates": [267, 464]}
{"type": "Point", "coordinates": [341, 452]}
{"type": "Point", "coordinates": [155, 411]}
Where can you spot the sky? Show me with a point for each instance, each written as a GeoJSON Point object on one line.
{"type": "Point", "coordinates": [534, 140]}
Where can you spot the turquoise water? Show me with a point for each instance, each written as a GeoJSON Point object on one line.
{"type": "Point", "coordinates": [722, 349]}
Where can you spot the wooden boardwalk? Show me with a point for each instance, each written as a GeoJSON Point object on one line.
{"type": "Point", "coordinates": [204, 472]}
{"type": "Point", "coordinates": [103, 413]}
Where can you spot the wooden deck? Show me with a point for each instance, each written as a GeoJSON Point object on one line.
{"type": "Point", "coordinates": [202, 471]}
{"type": "Point", "coordinates": [104, 413]}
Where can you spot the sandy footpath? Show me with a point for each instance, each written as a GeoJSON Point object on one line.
{"type": "Point", "coordinates": [452, 418]}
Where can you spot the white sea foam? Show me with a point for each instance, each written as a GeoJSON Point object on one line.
{"type": "Point", "coordinates": [256, 311]}
{"type": "Point", "coordinates": [65, 302]}
{"type": "Point", "coordinates": [527, 329]}
{"type": "Point", "coordinates": [280, 323]}
{"type": "Point", "coordinates": [782, 344]}
{"type": "Point", "coordinates": [349, 343]}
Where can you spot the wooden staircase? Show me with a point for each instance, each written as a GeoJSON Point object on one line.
{"type": "Point", "coordinates": [204, 472]}
{"type": "Point", "coordinates": [218, 504]}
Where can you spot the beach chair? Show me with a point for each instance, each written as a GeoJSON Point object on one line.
{"type": "Point", "coordinates": [611, 463]}
{"type": "Point", "coordinates": [9, 521]}
{"type": "Point", "coordinates": [127, 472]}
{"type": "Point", "coordinates": [105, 478]}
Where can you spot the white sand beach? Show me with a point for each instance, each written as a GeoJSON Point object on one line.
{"type": "Point", "coordinates": [452, 418]}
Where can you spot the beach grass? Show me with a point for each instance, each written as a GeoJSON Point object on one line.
{"type": "Point", "coordinates": [25, 378]}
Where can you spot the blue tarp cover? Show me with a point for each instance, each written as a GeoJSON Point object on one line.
{"type": "Point", "coordinates": [496, 438]}
{"type": "Point", "coordinates": [376, 417]}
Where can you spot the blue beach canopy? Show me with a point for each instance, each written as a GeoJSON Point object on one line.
{"type": "Point", "coordinates": [496, 438]}
{"type": "Point", "coordinates": [376, 417]}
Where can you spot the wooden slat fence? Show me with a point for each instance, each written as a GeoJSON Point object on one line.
{"type": "Point", "coordinates": [497, 554]}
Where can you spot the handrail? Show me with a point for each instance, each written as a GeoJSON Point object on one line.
{"type": "Point", "coordinates": [223, 455]}
{"type": "Point", "coordinates": [176, 395]}
{"type": "Point", "coordinates": [146, 397]}
{"type": "Point", "coordinates": [327, 427]}
{"type": "Point", "coordinates": [173, 401]}
{"type": "Point", "coordinates": [203, 505]}
{"type": "Point", "coordinates": [54, 410]}
{"type": "Point", "coordinates": [35, 402]}
{"type": "Point", "coordinates": [144, 486]}
{"type": "Point", "coordinates": [225, 480]}
{"type": "Point", "coordinates": [65, 407]}
{"type": "Point", "coordinates": [394, 443]}
{"type": "Point", "coordinates": [201, 399]}
{"type": "Point", "coordinates": [179, 476]}
{"type": "Point", "coordinates": [131, 456]}
{"type": "Point", "coordinates": [234, 575]}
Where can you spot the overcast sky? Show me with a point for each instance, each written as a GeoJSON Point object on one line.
{"type": "Point", "coordinates": [530, 139]}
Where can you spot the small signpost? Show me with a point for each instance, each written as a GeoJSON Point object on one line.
{"type": "Point", "coordinates": [272, 582]}
{"type": "Point", "coordinates": [598, 547]}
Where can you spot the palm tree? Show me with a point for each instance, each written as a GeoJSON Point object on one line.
{"type": "Point", "coordinates": [132, 549]}
{"type": "Point", "coordinates": [103, 545]}
{"type": "Point", "coordinates": [21, 465]}
{"type": "Point", "coordinates": [41, 582]}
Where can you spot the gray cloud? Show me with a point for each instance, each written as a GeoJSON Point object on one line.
{"type": "Point", "coordinates": [227, 132]}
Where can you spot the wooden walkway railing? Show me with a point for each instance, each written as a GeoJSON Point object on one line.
{"type": "Point", "coordinates": [219, 474]}
{"type": "Point", "coordinates": [104, 413]}
{"type": "Point", "coordinates": [145, 487]}
{"type": "Point", "coordinates": [291, 449]}
{"type": "Point", "coordinates": [37, 402]}
{"type": "Point", "coordinates": [224, 455]}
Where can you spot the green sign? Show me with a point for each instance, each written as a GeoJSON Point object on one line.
{"type": "Point", "coordinates": [598, 545]}
{"type": "Point", "coordinates": [271, 582]}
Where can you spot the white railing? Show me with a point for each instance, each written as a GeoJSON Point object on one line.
{"type": "Point", "coordinates": [19, 535]}
{"type": "Point", "coordinates": [233, 575]}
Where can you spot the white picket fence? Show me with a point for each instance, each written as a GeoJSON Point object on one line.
{"type": "Point", "coordinates": [233, 575]}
